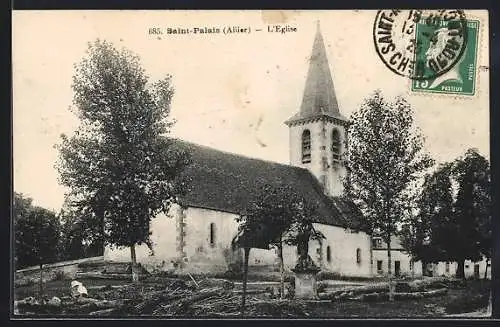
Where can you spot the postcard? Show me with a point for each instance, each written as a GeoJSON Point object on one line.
{"type": "Point", "coordinates": [315, 164]}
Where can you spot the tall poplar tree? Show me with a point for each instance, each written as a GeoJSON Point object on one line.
{"type": "Point", "coordinates": [385, 158]}
{"type": "Point", "coordinates": [119, 165]}
{"type": "Point", "coordinates": [472, 228]}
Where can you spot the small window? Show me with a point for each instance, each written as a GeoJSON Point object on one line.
{"type": "Point", "coordinates": [328, 254]}
{"type": "Point", "coordinates": [358, 255]}
{"type": "Point", "coordinates": [306, 146]}
{"type": "Point", "coordinates": [467, 266]}
{"type": "Point", "coordinates": [447, 267]}
{"type": "Point", "coordinates": [379, 266]}
{"type": "Point", "coordinates": [335, 146]}
{"type": "Point", "coordinates": [212, 234]}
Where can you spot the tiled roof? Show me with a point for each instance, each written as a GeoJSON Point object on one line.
{"type": "Point", "coordinates": [225, 181]}
{"type": "Point", "coordinates": [395, 243]}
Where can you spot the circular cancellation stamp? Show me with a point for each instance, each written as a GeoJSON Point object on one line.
{"type": "Point", "coordinates": [420, 44]}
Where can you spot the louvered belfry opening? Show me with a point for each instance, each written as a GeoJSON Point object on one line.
{"type": "Point", "coordinates": [306, 146]}
{"type": "Point", "coordinates": [335, 146]}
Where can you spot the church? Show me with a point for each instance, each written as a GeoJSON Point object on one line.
{"type": "Point", "coordinates": [196, 235]}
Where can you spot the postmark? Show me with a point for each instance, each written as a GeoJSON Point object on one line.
{"type": "Point", "coordinates": [394, 36]}
{"type": "Point", "coordinates": [461, 78]}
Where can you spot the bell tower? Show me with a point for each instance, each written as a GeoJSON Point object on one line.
{"type": "Point", "coordinates": [318, 132]}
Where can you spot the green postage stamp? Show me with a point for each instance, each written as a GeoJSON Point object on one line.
{"type": "Point", "coordinates": [461, 78]}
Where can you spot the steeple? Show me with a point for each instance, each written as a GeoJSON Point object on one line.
{"type": "Point", "coordinates": [318, 132]}
{"type": "Point", "coordinates": [319, 97]}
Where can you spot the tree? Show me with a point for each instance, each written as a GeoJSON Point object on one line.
{"type": "Point", "coordinates": [82, 238]}
{"type": "Point", "coordinates": [472, 229]}
{"type": "Point", "coordinates": [21, 206]}
{"type": "Point", "coordinates": [37, 238]}
{"type": "Point", "coordinates": [385, 158]}
{"type": "Point", "coordinates": [277, 215]}
{"type": "Point", "coordinates": [486, 235]}
{"type": "Point", "coordinates": [424, 233]}
{"type": "Point", "coordinates": [454, 213]}
{"type": "Point", "coordinates": [272, 211]}
{"type": "Point", "coordinates": [120, 166]}
{"type": "Point", "coordinates": [36, 233]}
{"type": "Point", "coordinates": [412, 236]}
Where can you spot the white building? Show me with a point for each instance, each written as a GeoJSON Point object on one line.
{"type": "Point", "coordinates": [402, 264]}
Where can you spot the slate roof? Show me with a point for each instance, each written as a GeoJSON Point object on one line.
{"type": "Point", "coordinates": [225, 181]}
{"type": "Point", "coordinates": [395, 243]}
{"type": "Point", "coordinates": [319, 99]}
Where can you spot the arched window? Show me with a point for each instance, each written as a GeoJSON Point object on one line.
{"type": "Point", "coordinates": [306, 146]}
{"type": "Point", "coordinates": [212, 234]}
{"type": "Point", "coordinates": [358, 255]}
{"type": "Point", "coordinates": [335, 146]}
{"type": "Point", "coordinates": [328, 254]}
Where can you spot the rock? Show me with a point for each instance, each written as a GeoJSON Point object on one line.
{"type": "Point", "coordinates": [55, 301]}
{"type": "Point", "coordinates": [78, 290]}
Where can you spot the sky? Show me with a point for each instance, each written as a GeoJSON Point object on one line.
{"type": "Point", "coordinates": [232, 92]}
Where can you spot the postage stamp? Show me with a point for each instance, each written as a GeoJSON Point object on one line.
{"type": "Point", "coordinates": [394, 35]}
{"type": "Point", "coordinates": [461, 79]}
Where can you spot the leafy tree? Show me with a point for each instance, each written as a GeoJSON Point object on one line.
{"type": "Point", "coordinates": [21, 206]}
{"type": "Point", "coordinates": [37, 238]}
{"type": "Point", "coordinates": [412, 235]}
{"type": "Point", "coordinates": [385, 159]}
{"type": "Point", "coordinates": [486, 234]}
{"type": "Point", "coordinates": [81, 238]}
{"type": "Point", "coordinates": [424, 233]}
{"type": "Point", "coordinates": [454, 218]}
{"type": "Point", "coordinates": [71, 244]}
{"type": "Point", "coordinates": [472, 228]}
{"type": "Point", "coordinates": [36, 233]}
{"type": "Point", "coordinates": [275, 216]}
{"type": "Point", "coordinates": [120, 166]}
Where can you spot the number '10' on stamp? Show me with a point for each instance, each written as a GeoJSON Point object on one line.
{"type": "Point", "coordinates": [461, 78]}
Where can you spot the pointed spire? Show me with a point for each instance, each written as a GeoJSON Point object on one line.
{"type": "Point", "coordinates": [319, 94]}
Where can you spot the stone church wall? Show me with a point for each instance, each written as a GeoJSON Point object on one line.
{"type": "Point", "coordinates": [344, 247]}
{"type": "Point", "coordinates": [182, 242]}
{"type": "Point", "coordinates": [164, 245]}
{"type": "Point", "coordinates": [203, 253]}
